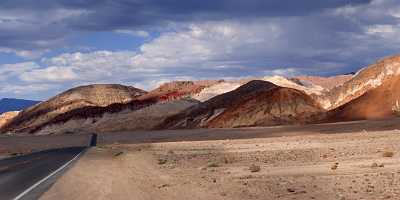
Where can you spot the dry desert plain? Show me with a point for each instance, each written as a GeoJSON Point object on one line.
{"type": "Point", "coordinates": [353, 160]}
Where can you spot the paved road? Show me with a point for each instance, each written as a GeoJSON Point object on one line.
{"type": "Point", "coordinates": [17, 174]}
{"type": "Point", "coordinates": [247, 133]}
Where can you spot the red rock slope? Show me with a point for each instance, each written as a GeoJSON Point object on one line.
{"type": "Point", "coordinates": [255, 103]}
{"type": "Point", "coordinates": [381, 102]}
{"type": "Point", "coordinates": [365, 80]}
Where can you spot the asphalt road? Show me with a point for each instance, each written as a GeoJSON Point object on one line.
{"type": "Point", "coordinates": [17, 174]}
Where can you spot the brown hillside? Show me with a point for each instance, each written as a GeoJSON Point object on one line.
{"type": "Point", "coordinates": [366, 79]}
{"type": "Point", "coordinates": [273, 107]}
{"type": "Point", "coordinates": [178, 89]}
{"type": "Point", "coordinates": [6, 117]}
{"type": "Point", "coordinates": [377, 103]}
{"type": "Point", "coordinates": [225, 110]}
{"type": "Point", "coordinates": [100, 95]}
{"type": "Point", "coordinates": [197, 116]}
{"type": "Point", "coordinates": [141, 115]}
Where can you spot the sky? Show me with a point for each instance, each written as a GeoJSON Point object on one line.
{"type": "Point", "coordinates": [48, 46]}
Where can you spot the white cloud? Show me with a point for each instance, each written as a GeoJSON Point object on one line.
{"type": "Point", "coordinates": [24, 53]}
{"type": "Point", "coordinates": [25, 90]}
{"type": "Point", "coordinates": [139, 33]}
{"type": "Point", "coordinates": [8, 71]}
{"type": "Point", "coordinates": [218, 49]}
{"type": "Point", "coordinates": [50, 74]}
{"type": "Point", "coordinates": [380, 29]}
{"type": "Point", "coordinates": [287, 72]}
{"type": "Point", "coordinates": [207, 44]}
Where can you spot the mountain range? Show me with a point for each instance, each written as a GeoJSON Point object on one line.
{"type": "Point", "coordinates": [256, 101]}
{"type": "Point", "coordinates": [8, 104]}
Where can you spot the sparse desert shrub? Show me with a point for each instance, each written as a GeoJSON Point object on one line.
{"type": "Point", "coordinates": [375, 165]}
{"type": "Point", "coordinates": [162, 161]}
{"type": "Point", "coordinates": [396, 108]}
{"type": "Point", "coordinates": [118, 154]}
{"type": "Point", "coordinates": [16, 154]}
{"type": "Point", "coordinates": [170, 151]}
{"type": "Point", "coordinates": [228, 159]}
{"type": "Point", "coordinates": [212, 164]}
{"type": "Point", "coordinates": [388, 154]}
{"type": "Point", "coordinates": [101, 147]}
{"type": "Point", "coordinates": [254, 168]}
{"type": "Point", "coordinates": [335, 166]}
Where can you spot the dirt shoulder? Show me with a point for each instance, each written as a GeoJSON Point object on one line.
{"type": "Point", "coordinates": [359, 165]}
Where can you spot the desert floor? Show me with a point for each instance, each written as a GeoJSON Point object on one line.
{"type": "Point", "coordinates": [355, 165]}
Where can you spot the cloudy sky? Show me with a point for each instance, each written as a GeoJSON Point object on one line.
{"type": "Point", "coordinates": [47, 46]}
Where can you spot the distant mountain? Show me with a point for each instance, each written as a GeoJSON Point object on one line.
{"type": "Point", "coordinates": [371, 93]}
{"type": "Point", "coordinates": [97, 95]}
{"type": "Point", "coordinates": [7, 104]}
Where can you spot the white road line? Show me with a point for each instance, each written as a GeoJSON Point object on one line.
{"type": "Point", "coordinates": [47, 177]}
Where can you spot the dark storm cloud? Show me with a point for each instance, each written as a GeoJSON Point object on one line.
{"type": "Point", "coordinates": [107, 14]}
{"type": "Point", "coordinates": [171, 9]}
{"type": "Point", "coordinates": [43, 24]}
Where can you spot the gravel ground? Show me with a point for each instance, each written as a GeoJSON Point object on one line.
{"type": "Point", "coordinates": [357, 165]}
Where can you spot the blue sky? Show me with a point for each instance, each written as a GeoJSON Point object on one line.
{"type": "Point", "coordinates": [48, 46]}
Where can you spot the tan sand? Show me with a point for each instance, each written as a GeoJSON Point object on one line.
{"type": "Point", "coordinates": [335, 166]}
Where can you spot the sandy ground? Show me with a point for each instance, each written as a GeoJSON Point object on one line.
{"type": "Point", "coordinates": [358, 165]}
{"type": "Point", "coordinates": [12, 145]}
